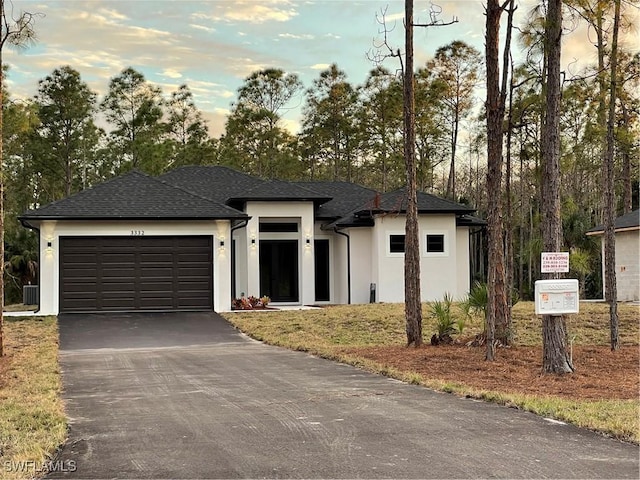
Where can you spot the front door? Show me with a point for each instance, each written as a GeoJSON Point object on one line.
{"type": "Point", "coordinates": [322, 270]}
{"type": "Point", "coordinates": [279, 270]}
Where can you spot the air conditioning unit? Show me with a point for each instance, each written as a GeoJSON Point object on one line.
{"type": "Point", "coordinates": [30, 295]}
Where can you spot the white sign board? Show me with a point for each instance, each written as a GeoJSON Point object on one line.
{"type": "Point", "coordinates": [557, 297]}
{"type": "Point", "coordinates": [554, 262]}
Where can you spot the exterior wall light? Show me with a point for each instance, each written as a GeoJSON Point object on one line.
{"type": "Point", "coordinates": [49, 249]}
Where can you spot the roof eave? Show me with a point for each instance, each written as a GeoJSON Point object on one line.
{"type": "Point", "coordinates": [147, 217]}
{"type": "Point", "coordinates": [616, 230]}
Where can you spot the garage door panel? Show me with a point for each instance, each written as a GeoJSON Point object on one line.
{"type": "Point", "coordinates": [156, 270]}
{"type": "Point", "coordinates": [80, 258]}
{"type": "Point", "coordinates": [118, 304]}
{"type": "Point", "coordinates": [123, 287]}
{"type": "Point", "coordinates": [196, 257]}
{"type": "Point", "coordinates": [196, 302]}
{"type": "Point", "coordinates": [194, 284]}
{"type": "Point", "coordinates": [193, 271]}
{"type": "Point", "coordinates": [83, 272]}
{"type": "Point", "coordinates": [135, 273]}
{"type": "Point", "coordinates": [78, 288]}
{"type": "Point", "coordinates": [122, 271]}
{"type": "Point", "coordinates": [161, 257]}
{"type": "Point", "coordinates": [161, 287]}
{"type": "Point", "coordinates": [117, 258]}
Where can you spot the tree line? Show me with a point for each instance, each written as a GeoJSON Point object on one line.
{"type": "Point", "coordinates": [66, 139]}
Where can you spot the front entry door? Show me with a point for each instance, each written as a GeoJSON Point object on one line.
{"type": "Point", "coordinates": [279, 270]}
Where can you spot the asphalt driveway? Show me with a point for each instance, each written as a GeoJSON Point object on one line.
{"type": "Point", "coordinates": [186, 396]}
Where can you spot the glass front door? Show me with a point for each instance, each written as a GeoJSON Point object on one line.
{"type": "Point", "coordinates": [279, 270]}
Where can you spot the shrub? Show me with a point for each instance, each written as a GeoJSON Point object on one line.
{"type": "Point", "coordinates": [445, 323]}
{"type": "Point", "coordinates": [249, 303]}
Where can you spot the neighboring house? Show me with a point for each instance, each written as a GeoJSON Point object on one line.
{"type": "Point", "coordinates": [197, 237]}
{"type": "Point", "coordinates": [627, 233]}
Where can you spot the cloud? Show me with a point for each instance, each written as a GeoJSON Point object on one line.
{"type": "Point", "coordinates": [251, 11]}
{"type": "Point", "coordinates": [216, 120]}
{"type": "Point", "coordinates": [202, 27]}
{"type": "Point", "coordinates": [296, 37]}
{"type": "Point", "coordinates": [243, 67]}
{"type": "Point", "coordinates": [171, 73]}
{"type": "Point", "coordinates": [320, 66]}
{"type": "Point", "coordinates": [293, 126]}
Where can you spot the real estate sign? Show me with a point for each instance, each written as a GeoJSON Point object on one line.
{"type": "Point", "coordinates": [554, 262]}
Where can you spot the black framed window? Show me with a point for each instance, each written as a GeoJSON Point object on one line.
{"type": "Point", "coordinates": [435, 243]}
{"type": "Point", "coordinates": [396, 243]}
{"type": "Point", "coordinates": [278, 227]}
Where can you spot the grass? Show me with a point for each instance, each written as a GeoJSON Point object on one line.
{"type": "Point", "coordinates": [32, 420]}
{"type": "Point", "coordinates": [20, 307]}
{"type": "Point", "coordinates": [323, 332]}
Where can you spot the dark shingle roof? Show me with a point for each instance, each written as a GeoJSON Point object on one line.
{"type": "Point", "coordinates": [214, 182]}
{"type": "Point", "coordinates": [345, 197]}
{"type": "Point", "coordinates": [470, 221]}
{"type": "Point", "coordinates": [279, 190]}
{"type": "Point", "coordinates": [628, 221]}
{"type": "Point", "coordinates": [194, 192]}
{"type": "Point", "coordinates": [134, 196]}
{"type": "Point", "coordinates": [396, 202]}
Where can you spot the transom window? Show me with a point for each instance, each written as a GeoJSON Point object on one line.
{"type": "Point", "coordinates": [278, 227]}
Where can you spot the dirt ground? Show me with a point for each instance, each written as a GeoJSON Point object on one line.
{"type": "Point", "coordinates": [599, 373]}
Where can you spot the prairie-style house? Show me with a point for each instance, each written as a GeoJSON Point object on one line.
{"type": "Point", "coordinates": [199, 236]}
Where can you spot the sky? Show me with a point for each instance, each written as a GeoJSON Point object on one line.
{"type": "Point", "coordinates": [213, 45]}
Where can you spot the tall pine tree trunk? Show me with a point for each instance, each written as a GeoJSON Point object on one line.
{"type": "Point", "coordinates": [413, 307]}
{"type": "Point", "coordinates": [555, 355]}
{"type": "Point", "coordinates": [627, 196]}
{"type": "Point", "coordinates": [497, 308]}
{"type": "Point", "coordinates": [2, 13]}
{"type": "Point", "coordinates": [611, 289]}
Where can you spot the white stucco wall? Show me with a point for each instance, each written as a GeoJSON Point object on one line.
{"type": "Point", "coordinates": [340, 287]}
{"type": "Point", "coordinates": [51, 231]}
{"type": "Point", "coordinates": [627, 265]}
{"type": "Point", "coordinates": [361, 264]}
{"type": "Point", "coordinates": [301, 212]}
{"type": "Point", "coordinates": [439, 272]}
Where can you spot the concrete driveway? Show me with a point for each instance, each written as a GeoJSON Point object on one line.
{"type": "Point", "coordinates": [186, 396]}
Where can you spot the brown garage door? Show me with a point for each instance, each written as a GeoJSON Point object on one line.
{"type": "Point", "coordinates": [135, 273]}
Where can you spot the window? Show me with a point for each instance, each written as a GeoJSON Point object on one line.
{"type": "Point", "coordinates": [266, 227]}
{"type": "Point", "coordinates": [435, 243]}
{"type": "Point", "coordinates": [396, 243]}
